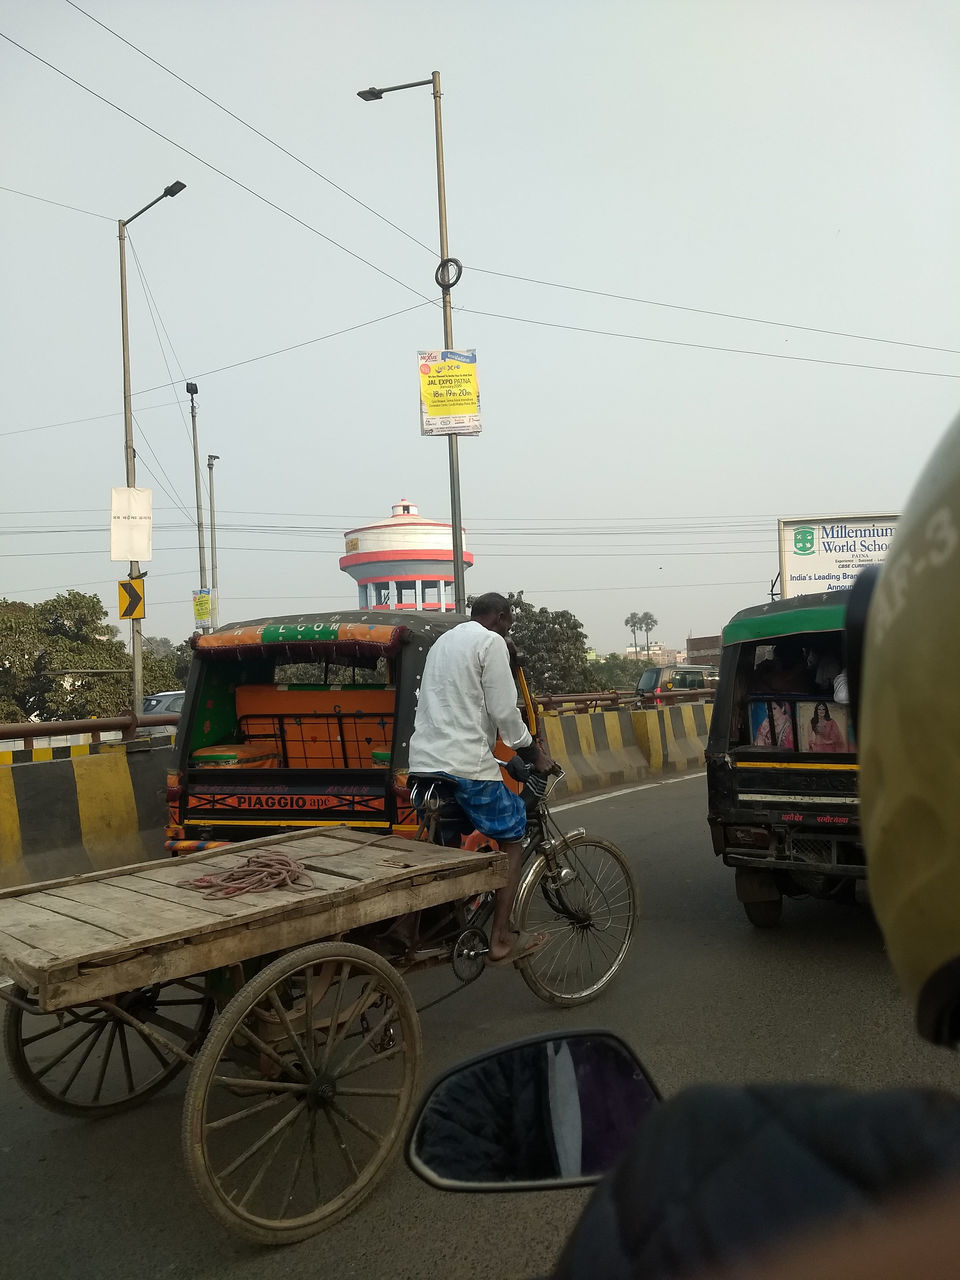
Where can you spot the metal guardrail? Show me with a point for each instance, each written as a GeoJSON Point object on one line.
{"type": "Point", "coordinates": [626, 700]}
{"type": "Point", "coordinates": [605, 701]}
{"type": "Point", "coordinates": [127, 725]}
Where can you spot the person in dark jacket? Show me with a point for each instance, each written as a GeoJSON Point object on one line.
{"type": "Point", "coordinates": [718, 1173]}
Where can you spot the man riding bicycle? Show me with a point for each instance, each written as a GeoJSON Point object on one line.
{"type": "Point", "coordinates": [468, 697]}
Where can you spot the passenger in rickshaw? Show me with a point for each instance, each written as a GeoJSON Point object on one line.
{"type": "Point", "coordinates": [468, 696]}
{"type": "Point", "coordinates": [785, 672]}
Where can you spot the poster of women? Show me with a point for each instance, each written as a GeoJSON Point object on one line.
{"type": "Point", "coordinates": [824, 727]}
{"type": "Point", "coordinates": [771, 725]}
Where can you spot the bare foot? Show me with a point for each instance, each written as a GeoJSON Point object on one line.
{"type": "Point", "coordinates": [514, 947]}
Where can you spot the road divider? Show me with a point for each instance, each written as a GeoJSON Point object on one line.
{"type": "Point", "coordinates": [603, 749]}
{"type": "Point", "coordinates": [66, 810]}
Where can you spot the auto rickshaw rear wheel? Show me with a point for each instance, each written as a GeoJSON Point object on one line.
{"type": "Point", "coordinates": [766, 914]}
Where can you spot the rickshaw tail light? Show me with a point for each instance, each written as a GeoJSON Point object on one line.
{"type": "Point", "coordinates": [174, 787]}
{"type": "Point", "coordinates": [748, 837]}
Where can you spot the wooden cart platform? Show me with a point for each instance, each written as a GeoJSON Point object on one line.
{"type": "Point", "coordinates": [91, 936]}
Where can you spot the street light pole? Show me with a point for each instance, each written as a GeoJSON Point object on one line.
{"type": "Point", "coordinates": [129, 452]}
{"type": "Point", "coordinates": [214, 603]}
{"type": "Point", "coordinates": [445, 281]}
{"type": "Point", "coordinates": [192, 393]}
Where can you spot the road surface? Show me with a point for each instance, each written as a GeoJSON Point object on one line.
{"type": "Point", "coordinates": [703, 996]}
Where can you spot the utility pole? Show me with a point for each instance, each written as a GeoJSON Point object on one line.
{"type": "Point", "coordinates": [129, 453]}
{"type": "Point", "coordinates": [447, 275]}
{"type": "Point", "coordinates": [130, 468]}
{"type": "Point", "coordinates": [192, 393]}
{"type": "Point", "coordinates": [214, 600]}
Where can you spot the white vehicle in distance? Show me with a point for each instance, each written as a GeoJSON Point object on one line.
{"type": "Point", "coordinates": [162, 704]}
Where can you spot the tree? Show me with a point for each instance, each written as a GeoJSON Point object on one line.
{"type": "Point", "coordinates": [165, 665]}
{"type": "Point", "coordinates": [61, 660]}
{"type": "Point", "coordinates": [615, 671]}
{"type": "Point", "coordinates": [634, 622]}
{"type": "Point", "coordinates": [552, 644]}
{"type": "Point", "coordinates": [79, 665]}
{"type": "Point", "coordinates": [647, 623]}
{"type": "Point", "coordinates": [19, 648]}
{"type": "Point", "coordinates": [640, 622]}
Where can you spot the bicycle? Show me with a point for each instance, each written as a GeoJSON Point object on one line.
{"type": "Point", "coordinates": [575, 888]}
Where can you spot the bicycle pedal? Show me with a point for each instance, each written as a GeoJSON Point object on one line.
{"type": "Point", "coordinates": [468, 953]}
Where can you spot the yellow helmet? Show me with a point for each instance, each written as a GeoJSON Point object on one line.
{"type": "Point", "coordinates": [909, 746]}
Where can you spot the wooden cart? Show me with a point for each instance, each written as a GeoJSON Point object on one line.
{"type": "Point", "coordinates": [301, 1088]}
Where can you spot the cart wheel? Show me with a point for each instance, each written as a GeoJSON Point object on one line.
{"type": "Point", "coordinates": [302, 1092]}
{"type": "Point", "coordinates": [84, 1061]}
{"type": "Point", "coordinates": [587, 910]}
{"type": "Point", "coordinates": [764, 914]}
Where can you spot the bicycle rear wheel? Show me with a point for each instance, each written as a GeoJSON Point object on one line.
{"type": "Point", "coordinates": [587, 908]}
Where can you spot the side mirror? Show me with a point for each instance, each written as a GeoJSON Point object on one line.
{"type": "Point", "coordinates": [551, 1111]}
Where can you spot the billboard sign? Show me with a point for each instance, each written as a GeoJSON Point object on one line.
{"type": "Point", "coordinates": [201, 607]}
{"type": "Point", "coordinates": [131, 524]}
{"type": "Point", "coordinates": [449, 395]}
{"type": "Point", "coordinates": [826, 553]}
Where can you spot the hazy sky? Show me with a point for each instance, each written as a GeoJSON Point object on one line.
{"type": "Point", "coordinates": [788, 162]}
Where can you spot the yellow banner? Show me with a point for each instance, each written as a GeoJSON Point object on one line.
{"type": "Point", "coordinates": [449, 393]}
{"type": "Point", "coordinates": [201, 605]}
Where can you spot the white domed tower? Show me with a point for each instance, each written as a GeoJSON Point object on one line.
{"type": "Point", "coordinates": [405, 562]}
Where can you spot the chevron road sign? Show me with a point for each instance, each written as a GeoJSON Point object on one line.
{"type": "Point", "coordinates": [132, 604]}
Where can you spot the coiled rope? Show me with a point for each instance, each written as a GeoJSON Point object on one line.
{"type": "Point", "coordinates": [260, 872]}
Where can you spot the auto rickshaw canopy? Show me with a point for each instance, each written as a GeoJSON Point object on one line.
{"type": "Point", "coordinates": [800, 615]}
{"type": "Point", "coordinates": [352, 637]}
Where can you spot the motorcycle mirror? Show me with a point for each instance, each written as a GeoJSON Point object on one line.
{"type": "Point", "coordinates": [549, 1111]}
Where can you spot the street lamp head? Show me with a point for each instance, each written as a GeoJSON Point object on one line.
{"type": "Point", "coordinates": [174, 188]}
{"type": "Point", "coordinates": [370, 95]}
{"type": "Point", "coordinates": [212, 458]}
{"type": "Point", "coordinates": [192, 389]}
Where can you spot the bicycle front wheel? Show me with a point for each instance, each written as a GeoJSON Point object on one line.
{"type": "Point", "coordinates": [586, 904]}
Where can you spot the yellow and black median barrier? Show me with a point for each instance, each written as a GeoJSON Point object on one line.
{"type": "Point", "coordinates": [65, 810]}
{"type": "Point", "coordinates": [611, 748]}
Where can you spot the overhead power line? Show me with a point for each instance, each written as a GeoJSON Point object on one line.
{"type": "Point", "coordinates": [174, 496]}
{"type": "Point", "coordinates": [620, 297]}
{"type": "Point", "coordinates": [213, 168]}
{"type": "Point", "coordinates": [102, 582]}
{"type": "Point", "coordinates": [704, 346]}
{"type": "Point", "coordinates": [336, 333]}
{"type": "Point", "coordinates": [253, 129]}
{"type": "Point", "coordinates": [705, 311]}
{"type": "Point", "coordinates": [43, 200]}
{"type": "Point", "coordinates": [163, 386]}
{"type": "Point", "coordinates": [488, 555]}
{"type": "Point", "coordinates": [157, 321]}
{"type": "Point", "coordinates": [650, 586]}
{"type": "Point", "coordinates": [548, 284]}
{"type": "Point", "coordinates": [681, 522]}
{"type": "Point", "coordinates": [75, 422]}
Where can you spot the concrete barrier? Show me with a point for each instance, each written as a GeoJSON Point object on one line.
{"type": "Point", "coordinates": [614, 748]}
{"type": "Point", "coordinates": [596, 749]}
{"type": "Point", "coordinates": [66, 810]}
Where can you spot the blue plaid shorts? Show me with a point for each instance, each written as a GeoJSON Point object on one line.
{"type": "Point", "coordinates": [492, 808]}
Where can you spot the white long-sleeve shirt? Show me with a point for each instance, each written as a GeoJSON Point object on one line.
{"type": "Point", "coordinates": [467, 696]}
